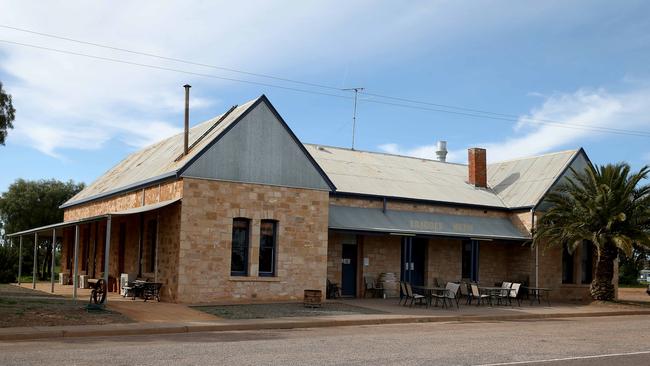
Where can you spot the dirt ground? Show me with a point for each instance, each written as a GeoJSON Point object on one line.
{"type": "Point", "coordinates": [20, 307]}
{"type": "Point", "coordinates": [633, 294]}
{"type": "Point", "coordinates": [278, 310]}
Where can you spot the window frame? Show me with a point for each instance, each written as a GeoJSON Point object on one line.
{"type": "Point", "coordinates": [274, 249]}
{"type": "Point", "coordinates": [246, 246]}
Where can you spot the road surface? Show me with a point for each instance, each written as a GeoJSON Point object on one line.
{"type": "Point", "coordinates": [619, 341]}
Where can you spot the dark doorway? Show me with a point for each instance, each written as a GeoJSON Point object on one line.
{"type": "Point", "coordinates": [413, 267]}
{"type": "Point", "coordinates": [121, 247]}
{"type": "Point", "coordinates": [349, 270]}
{"type": "Point", "coordinates": [470, 260]}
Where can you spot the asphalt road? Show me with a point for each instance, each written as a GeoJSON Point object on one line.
{"type": "Point", "coordinates": [619, 341]}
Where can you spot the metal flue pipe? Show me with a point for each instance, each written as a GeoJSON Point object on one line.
{"type": "Point", "coordinates": [186, 134]}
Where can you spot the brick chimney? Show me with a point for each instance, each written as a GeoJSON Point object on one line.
{"type": "Point", "coordinates": [477, 167]}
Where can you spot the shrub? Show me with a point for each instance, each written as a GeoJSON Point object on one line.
{"type": "Point", "coordinates": [8, 264]}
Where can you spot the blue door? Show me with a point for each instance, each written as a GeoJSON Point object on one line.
{"type": "Point", "coordinates": [349, 270]}
{"type": "Point", "coordinates": [414, 251]}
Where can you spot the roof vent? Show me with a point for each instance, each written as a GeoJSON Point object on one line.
{"type": "Point", "coordinates": [441, 151]}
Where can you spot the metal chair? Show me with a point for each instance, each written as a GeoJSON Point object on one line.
{"type": "Point", "coordinates": [415, 298]}
{"type": "Point", "coordinates": [476, 294]}
{"type": "Point", "coordinates": [514, 293]}
{"type": "Point", "coordinates": [372, 288]}
{"type": "Point", "coordinates": [465, 292]}
{"type": "Point", "coordinates": [403, 294]}
{"type": "Point", "coordinates": [333, 290]}
{"type": "Point", "coordinates": [504, 294]}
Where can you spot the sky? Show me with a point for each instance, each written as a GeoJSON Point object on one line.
{"type": "Point", "coordinates": [553, 76]}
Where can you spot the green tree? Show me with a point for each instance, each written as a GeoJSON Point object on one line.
{"type": "Point", "coordinates": [607, 205]}
{"type": "Point", "coordinates": [7, 114]}
{"type": "Point", "coordinates": [30, 204]}
{"type": "Point", "coordinates": [629, 267]}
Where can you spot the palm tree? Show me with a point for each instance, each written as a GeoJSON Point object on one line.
{"type": "Point", "coordinates": [606, 205]}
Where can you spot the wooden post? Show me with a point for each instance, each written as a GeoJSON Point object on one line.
{"type": "Point", "coordinates": [75, 275]}
{"type": "Point", "coordinates": [35, 261]}
{"type": "Point", "coordinates": [53, 251]}
{"type": "Point", "coordinates": [20, 259]}
{"type": "Point", "coordinates": [107, 253]}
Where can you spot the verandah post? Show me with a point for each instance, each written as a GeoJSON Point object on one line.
{"type": "Point", "coordinates": [52, 267]}
{"type": "Point", "coordinates": [35, 261]}
{"type": "Point", "coordinates": [75, 280]}
{"type": "Point", "coordinates": [107, 254]}
{"type": "Point", "coordinates": [20, 259]}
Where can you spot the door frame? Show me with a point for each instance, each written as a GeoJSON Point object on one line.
{"type": "Point", "coordinates": [407, 265]}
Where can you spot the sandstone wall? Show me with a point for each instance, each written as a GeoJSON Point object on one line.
{"type": "Point", "coordinates": [207, 213]}
{"type": "Point", "coordinates": [145, 196]}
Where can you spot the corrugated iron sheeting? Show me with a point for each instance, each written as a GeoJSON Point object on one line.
{"type": "Point", "coordinates": [157, 159]}
{"type": "Point", "coordinates": [516, 183]}
{"type": "Point", "coordinates": [425, 223]}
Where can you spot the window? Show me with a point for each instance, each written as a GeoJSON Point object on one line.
{"type": "Point", "coordinates": [587, 262]}
{"type": "Point", "coordinates": [239, 251]}
{"type": "Point", "coordinates": [268, 236]}
{"type": "Point", "coordinates": [567, 265]}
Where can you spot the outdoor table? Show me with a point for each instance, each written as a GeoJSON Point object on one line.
{"type": "Point", "coordinates": [429, 291]}
{"type": "Point", "coordinates": [491, 291]}
{"type": "Point", "coordinates": [538, 293]}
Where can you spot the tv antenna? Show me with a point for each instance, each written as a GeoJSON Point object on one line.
{"type": "Point", "coordinates": [354, 114]}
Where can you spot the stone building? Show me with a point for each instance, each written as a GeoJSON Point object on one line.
{"type": "Point", "coordinates": [246, 212]}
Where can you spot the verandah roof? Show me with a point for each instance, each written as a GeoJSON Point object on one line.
{"type": "Point", "coordinates": [48, 228]}
{"type": "Point", "coordinates": [424, 223]}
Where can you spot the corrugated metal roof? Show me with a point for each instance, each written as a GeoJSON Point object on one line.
{"type": "Point", "coordinates": [409, 222]}
{"type": "Point", "coordinates": [523, 182]}
{"type": "Point", "coordinates": [158, 159]}
{"type": "Point", "coordinates": [47, 228]}
{"type": "Point", "coordinates": [516, 183]}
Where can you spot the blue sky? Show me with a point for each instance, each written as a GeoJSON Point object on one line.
{"type": "Point", "coordinates": [579, 63]}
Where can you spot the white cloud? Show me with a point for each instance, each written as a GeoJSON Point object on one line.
{"type": "Point", "coordinates": [100, 101]}
{"type": "Point", "coordinates": [580, 113]}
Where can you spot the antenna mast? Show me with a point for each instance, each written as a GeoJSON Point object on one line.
{"type": "Point", "coordinates": [354, 113]}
